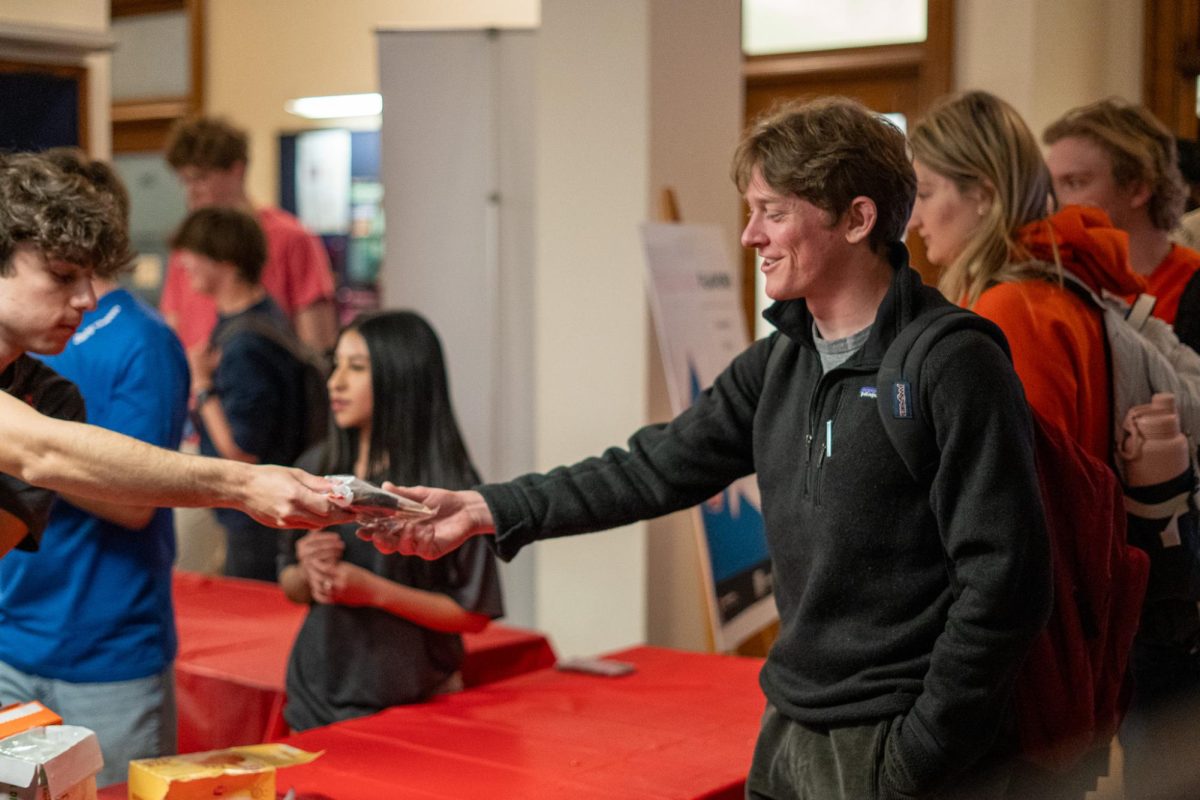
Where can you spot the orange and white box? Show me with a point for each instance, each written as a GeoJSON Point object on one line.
{"type": "Point", "coordinates": [23, 716]}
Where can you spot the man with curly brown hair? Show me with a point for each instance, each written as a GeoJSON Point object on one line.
{"type": "Point", "coordinates": [57, 232]}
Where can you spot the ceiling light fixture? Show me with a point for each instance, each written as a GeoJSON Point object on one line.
{"type": "Point", "coordinates": [336, 106]}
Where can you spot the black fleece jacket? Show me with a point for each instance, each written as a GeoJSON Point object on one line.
{"type": "Point", "coordinates": [895, 597]}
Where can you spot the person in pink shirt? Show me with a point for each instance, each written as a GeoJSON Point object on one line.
{"type": "Point", "coordinates": [210, 155]}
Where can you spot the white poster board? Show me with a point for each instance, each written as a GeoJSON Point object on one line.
{"type": "Point", "coordinates": [694, 296]}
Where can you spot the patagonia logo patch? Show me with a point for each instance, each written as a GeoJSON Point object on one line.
{"type": "Point", "coordinates": [867, 393]}
{"type": "Point", "coordinates": [902, 400]}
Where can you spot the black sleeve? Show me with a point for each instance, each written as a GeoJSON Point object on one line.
{"type": "Point", "coordinates": [55, 396]}
{"type": "Point", "coordinates": [1187, 317]}
{"type": "Point", "coordinates": [664, 468]}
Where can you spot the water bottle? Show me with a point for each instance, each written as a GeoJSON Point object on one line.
{"type": "Point", "coordinates": [1154, 449]}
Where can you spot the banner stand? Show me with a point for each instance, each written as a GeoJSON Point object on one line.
{"type": "Point", "coordinates": [695, 302]}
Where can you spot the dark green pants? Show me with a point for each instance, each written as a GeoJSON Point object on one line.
{"type": "Point", "coordinates": [793, 761]}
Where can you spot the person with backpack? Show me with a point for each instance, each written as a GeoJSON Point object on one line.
{"type": "Point", "coordinates": [384, 630]}
{"type": "Point", "coordinates": [249, 394]}
{"type": "Point", "coordinates": [1117, 156]}
{"type": "Point", "coordinates": [982, 196]}
{"type": "Point", "coordinates": [906, 604]}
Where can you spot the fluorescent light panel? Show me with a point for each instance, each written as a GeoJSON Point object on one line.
{"type": "Point", "coordinates": [336, 106]}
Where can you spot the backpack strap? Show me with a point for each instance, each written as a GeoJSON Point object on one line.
{"type": "Point", "coordinates": [907, 425]}
{"type": "Point", "coordinates": [1136, 315]}
{"type": "Point", "coordinates": [261, 325]}
{"type": "Point", "coordinates": [1140, 311]}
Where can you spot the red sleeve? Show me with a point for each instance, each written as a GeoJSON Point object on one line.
{"type": "Point", "coordinates": [297, 273]}
{"type": "Point", "coordinates": [1169, 279]}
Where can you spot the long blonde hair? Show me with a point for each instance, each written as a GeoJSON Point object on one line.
{"type": "Point", "coordinates": [979, 142]}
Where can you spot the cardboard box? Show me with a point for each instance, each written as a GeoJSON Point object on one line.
{"type": "Point", "coordinates": [235, 773]}
{"type": "Point", "coordinates": [23, 716]}
{"type": "Point", "coordinates": [56, 762]}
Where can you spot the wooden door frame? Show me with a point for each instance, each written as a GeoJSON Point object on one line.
{"type": "Point", "coordinates": [77, 74]}
{"type": "Point", "coordinates": [143, 124]}
{"type": "Point", "coordinates": [1171, 63]}
{"type": "Point", "coordinates": [932, 60]}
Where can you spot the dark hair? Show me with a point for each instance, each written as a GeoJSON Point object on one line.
{"type": "Point", "coordinates": [225, 234]}
{"type": "Point", "coordinates": [415, 438]}
{"type": "Point", "coordinates": [1189, 159]}
{"type": "Point", "coordinates": [61, 214]}
{"type": "Point", "coordinates": [206, 142]}
{"type": "Point", "coordinates": [99, 174]}
{"type": "Point", "coordinates": [1139, 146]}
{"type": "Point", "coordinates": [829, 151]}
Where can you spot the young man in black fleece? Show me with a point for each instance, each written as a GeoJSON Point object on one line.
{"type": "Point", "coordinates": [889, 679]}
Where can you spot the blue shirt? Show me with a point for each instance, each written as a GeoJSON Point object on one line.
{"type": "Point", "coordinates": [94, 603]}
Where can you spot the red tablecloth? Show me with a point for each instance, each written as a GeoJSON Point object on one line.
{"type": "Point", "coordinates": [682, 726]}
{"type": "Point", "coordinates": [234, 640]}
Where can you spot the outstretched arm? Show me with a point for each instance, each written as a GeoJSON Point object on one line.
{"type": "Point", "coordinates": [85, 460]}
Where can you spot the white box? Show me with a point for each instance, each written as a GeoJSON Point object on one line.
{"type": "Point", "coordinates": [56, 762]}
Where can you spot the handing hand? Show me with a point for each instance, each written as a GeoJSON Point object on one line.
{"type": "Point", "coordinates": [457, 517]}
{"type": "Point", "coordinates": [283, 497]}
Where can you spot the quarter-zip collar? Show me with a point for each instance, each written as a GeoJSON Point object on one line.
{"type": "Point", "coordinates": [907, 297]}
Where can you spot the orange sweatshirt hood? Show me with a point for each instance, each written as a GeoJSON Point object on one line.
{"type": "Point", "coordinates": [1089, 247]}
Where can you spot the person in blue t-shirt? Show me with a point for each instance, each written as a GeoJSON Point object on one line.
{"type": "Point", "coordinates": [86, 621]}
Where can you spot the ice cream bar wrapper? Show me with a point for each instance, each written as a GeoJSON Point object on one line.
{"type": "Point", "coordinates": [235, 773]}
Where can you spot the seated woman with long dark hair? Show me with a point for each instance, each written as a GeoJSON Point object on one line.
{"type": "Point", "coordinates": [384, 630]}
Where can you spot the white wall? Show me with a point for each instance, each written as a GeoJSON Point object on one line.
{"type": "Point", "coordinates": [90, 18]}
{"type": "Point", "coordinates": [1046, 56]}
{"type": "Point", "coordinates": [591, 327]}
{"type": "Point", "coordinates": [88, 14]}
{"type": "Point", "coordinates": [265, 52]}
{"type": "Point", "coordinates": [695, 122]}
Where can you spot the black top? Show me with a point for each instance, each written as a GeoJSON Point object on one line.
{"type": "Point", "coordinates": [39, 386]}
{"type": "Point", "coordinates": [870, 626]}
{"type": "Point", "coordinates": [261, 389]}
{"type": "Point", "coordinates": [351, 661]}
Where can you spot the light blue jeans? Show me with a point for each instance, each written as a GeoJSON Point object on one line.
{"type": "Point", "coordinates": [131, 719]}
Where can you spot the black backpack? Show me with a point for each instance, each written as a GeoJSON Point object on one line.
{"type": "Point", "coordinates": [314, 372]}
{"type": "Point", "coordinates": [1072, 690]}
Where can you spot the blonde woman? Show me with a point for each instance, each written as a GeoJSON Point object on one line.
{"type": "Point", "coordinates": [982, 197]}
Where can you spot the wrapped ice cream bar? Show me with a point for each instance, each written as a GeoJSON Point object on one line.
{"type": "Point", "coordinates": [371, 503]}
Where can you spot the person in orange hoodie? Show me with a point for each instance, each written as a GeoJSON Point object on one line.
{"type": "Point", "coordinates": [982, 198]}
